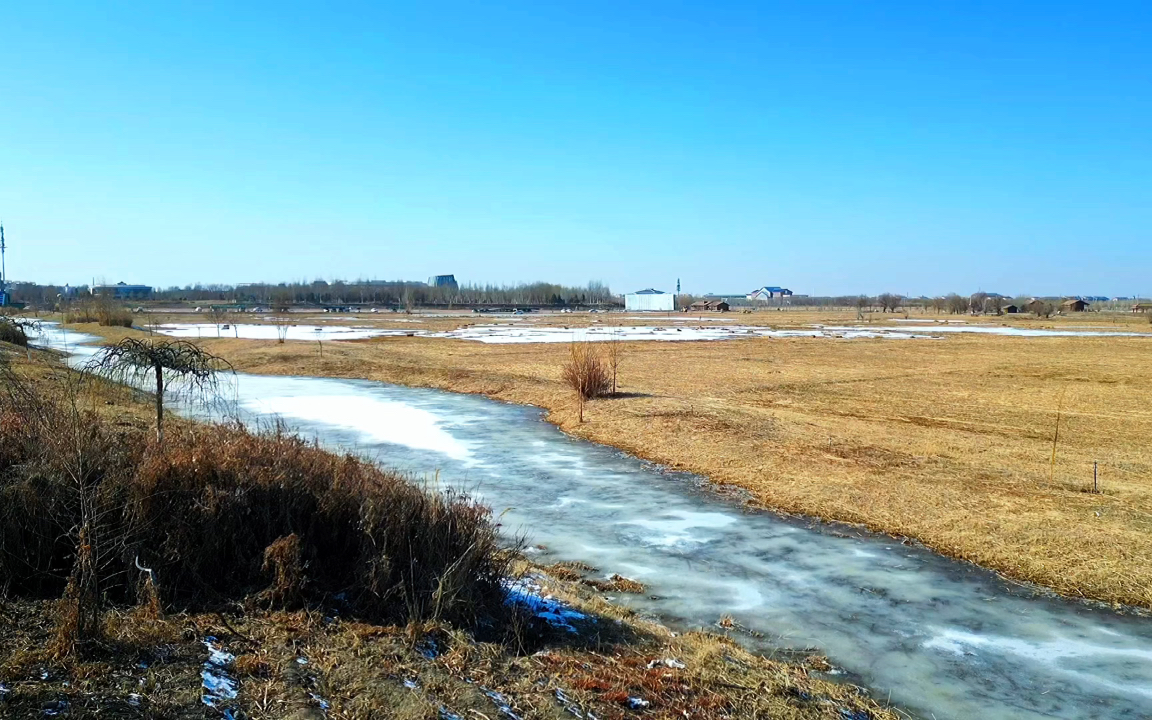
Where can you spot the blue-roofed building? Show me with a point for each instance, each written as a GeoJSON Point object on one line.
{"type": "Point", "coordinates": [769, 292]}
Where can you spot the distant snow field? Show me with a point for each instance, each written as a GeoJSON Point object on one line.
{"type": "Point", "coordinates": [510, 333]}
{"type": "Point", "coordinates": [252, 331]}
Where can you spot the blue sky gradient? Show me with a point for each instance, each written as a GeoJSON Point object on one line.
{"type": "Point", "coordinates": [828, 147]}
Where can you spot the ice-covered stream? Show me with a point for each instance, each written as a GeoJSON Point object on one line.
{"type": "Point", "coordinates": [941, 638]}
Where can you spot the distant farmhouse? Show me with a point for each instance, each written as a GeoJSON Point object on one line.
{"type": "Point", "coordinates": [649, 300]}
{"type": "Point", "coordinates": [124, 291]}
{"type": "Point", "coordinates": [768, 292]}
{"type": "Point", "coordinates": [1073, 305]}
{"type": "Point", "coordinates": [710, 306]}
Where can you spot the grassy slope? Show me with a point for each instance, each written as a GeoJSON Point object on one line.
{"type": "Point", "coordinates": [947, 441]}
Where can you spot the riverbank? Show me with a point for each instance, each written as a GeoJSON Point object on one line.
{"type": "Point", "coordinates": [574, 654]}
{"type": "Point", "coordinates": [946, 441]}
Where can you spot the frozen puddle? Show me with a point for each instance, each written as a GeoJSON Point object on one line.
{"type": "Point", "coordinates": [941, 638]}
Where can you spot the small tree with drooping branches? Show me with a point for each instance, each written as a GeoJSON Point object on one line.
{"type": "Point", "coordinates": [135, 361]}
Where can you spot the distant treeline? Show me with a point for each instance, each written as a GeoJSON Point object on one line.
{"type": "Point", "coordinates": [397, 293]}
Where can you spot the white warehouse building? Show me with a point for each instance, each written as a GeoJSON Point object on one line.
{"type": "Point", "coordinates": [649, 300]}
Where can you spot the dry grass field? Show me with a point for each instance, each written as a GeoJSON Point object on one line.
{"type": "Point", "coordinates": [946, 441]}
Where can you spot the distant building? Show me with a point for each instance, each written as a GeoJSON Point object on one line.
{"type": "Point", "coordinates": [1010, 309]}
{"type": "Point", "coordinates": [1142, 307]}
{"type": "Point", "coordinates": [124, 291]}
{"type": "Point", "coordinates": [448, 281]}
{"type": "Point", "coordinates": [710, 306]}
{"type": "Point", "coordinates": [769, 292]}
{"type": "Point", "coordinates": [1074, 305]}
{"type": "Point", "coordinates": [649, 300]}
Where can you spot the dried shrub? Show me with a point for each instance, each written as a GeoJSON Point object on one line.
{"type": "Point", "coordinates": [211, 513]}
{"type": "Point", "coordinates": [587, 373]}
{"type": "Point", "coordinates": [103, 310]}
{"type": "Point", "coordinates": [13, 331]}
{"type": "Point", "coordinates": [282, 562]}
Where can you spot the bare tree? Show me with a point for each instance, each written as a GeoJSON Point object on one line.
{"type": "Point", "coordinates": [976, 302]}
{"type": "Point", "coordinates": [218, 315]}
{"type": "Point", "coordinates": [889, 302]}
{"type": "Point", "coordinates": [282, 325]}
{"type": "Point", "coordinates": [614, 353]}
{"type": "Point", "coordinates": [136, 362]}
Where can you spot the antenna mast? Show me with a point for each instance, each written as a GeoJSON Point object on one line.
{"type": "Point", "coordinates": [3, 271]}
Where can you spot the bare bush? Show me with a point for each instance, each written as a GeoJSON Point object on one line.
{"type": "Point", "coordinates": [15, 330]}
{"type": "Point", "coordinates": [223, 514]}
{"type": "Point", "coordinates": [101, 309]}
{"type": "Point", "coordinates": [587, 373]}
{"type": "Point", "coordinates": [282, 325]}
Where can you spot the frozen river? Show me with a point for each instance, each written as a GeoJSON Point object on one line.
{"type": "Point", "coordinates": [941, 638]}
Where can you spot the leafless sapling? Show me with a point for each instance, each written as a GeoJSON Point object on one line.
{"type": "Point", "coordinates": [137, 362]}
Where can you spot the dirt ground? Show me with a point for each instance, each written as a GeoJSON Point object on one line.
{"type": "Point", "coordinates": [948, 441]}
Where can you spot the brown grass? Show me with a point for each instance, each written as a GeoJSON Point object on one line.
{"type": "Point", "coordinates": [947, 441]}
{"type": "Point", "coordinates": [220, 514]}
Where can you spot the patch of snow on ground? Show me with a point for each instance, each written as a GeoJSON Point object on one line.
{"type": "Point", "coordinates": [501, 703]}
{"type": "Point", "coordinates": [253, 331]}
{"type": "Point", "coordinates": [219, 687]}
{"type": "Point", "coordinates": [667, 333]}
{"type": "Point", "coordinates": [526, 593]}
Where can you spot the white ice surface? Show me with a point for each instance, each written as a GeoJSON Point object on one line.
{"type": "Point", "coordinates": [253, 331]}
{"type": "Point", "coordinates": [376, 420]}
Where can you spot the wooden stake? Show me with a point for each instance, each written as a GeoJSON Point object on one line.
{"type": "Point", "coordinates": [1056, 437]}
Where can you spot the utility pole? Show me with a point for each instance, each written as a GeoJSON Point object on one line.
{"type": "Point", "coordinates": [3, 270]}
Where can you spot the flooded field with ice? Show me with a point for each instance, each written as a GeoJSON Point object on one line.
{"type": "Point", "coordinates": [677, 331]}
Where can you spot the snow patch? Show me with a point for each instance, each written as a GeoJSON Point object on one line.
{"type": "Point", "coordinates": [527, 594]}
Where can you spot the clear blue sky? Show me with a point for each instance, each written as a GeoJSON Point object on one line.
{"type": "Point", "coordinates": [917, 147]}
